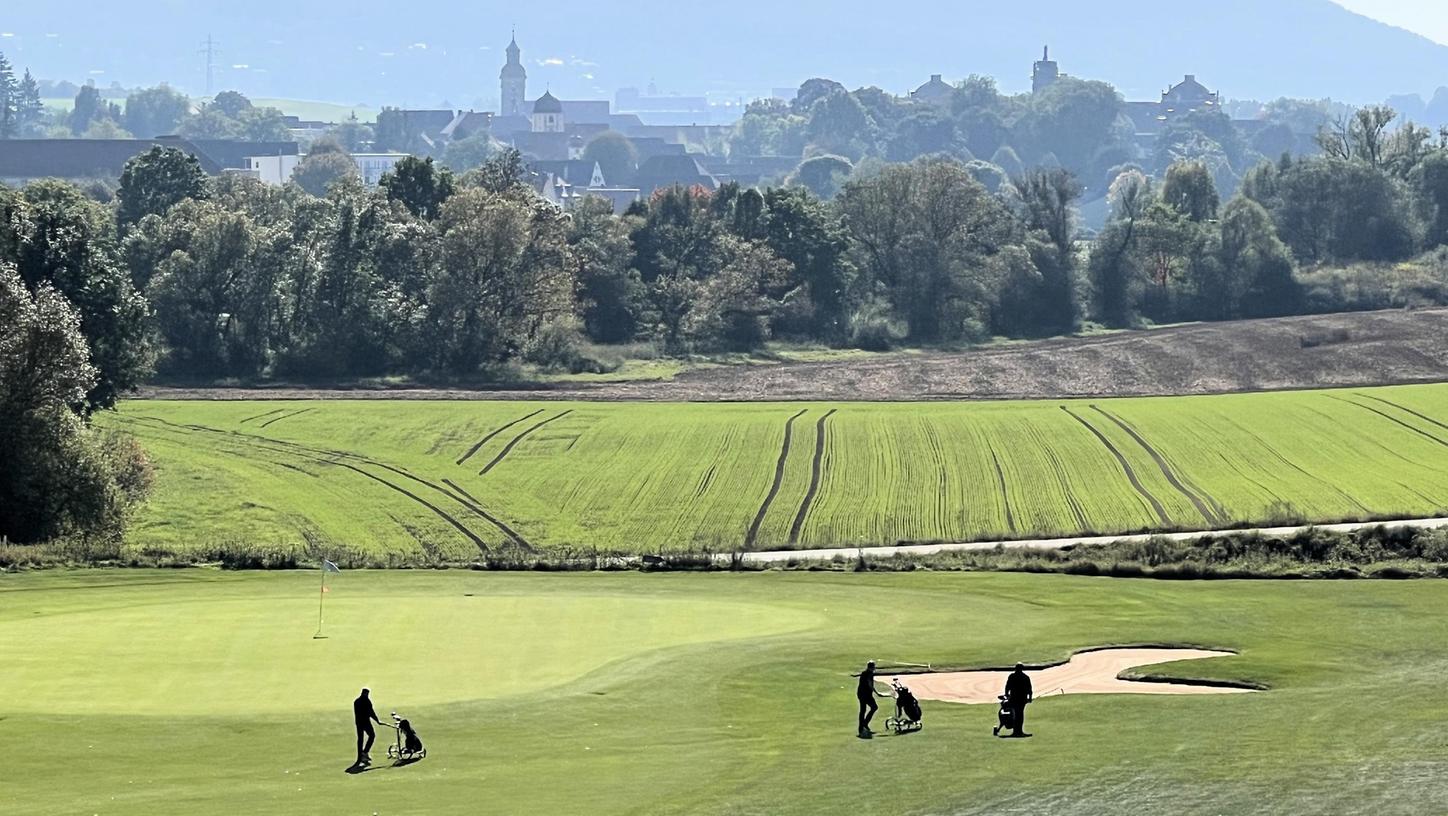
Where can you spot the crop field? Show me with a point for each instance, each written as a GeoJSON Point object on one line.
{"type": "Point", "coordinates": [448, 480]}
{"type": "Point", "coordinates": [201, 691]}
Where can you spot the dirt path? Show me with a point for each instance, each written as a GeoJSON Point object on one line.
{"type": "Point", "coordinates": [1093, 672]}
{"type": "Point", "coordinates": [828, 554]}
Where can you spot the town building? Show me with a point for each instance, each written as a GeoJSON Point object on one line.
{"type": "Point", "coordinates": [24, 160]}
{"type": "Point", "coordinates": [935, 92]}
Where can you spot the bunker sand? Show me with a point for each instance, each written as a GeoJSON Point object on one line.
{"type": "Point", "coordinates": [1094, 672]}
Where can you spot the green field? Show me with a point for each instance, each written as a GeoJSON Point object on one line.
{"type": "Point", "coordinates": [195, 691]}
{"type": "Point", "coordinates": [446, 480]}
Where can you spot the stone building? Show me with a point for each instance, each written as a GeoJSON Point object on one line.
{"type": "Point", "coordinates": [514, 80]}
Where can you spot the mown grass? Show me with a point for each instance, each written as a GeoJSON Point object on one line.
{"type": "Point", "coordinates": [395, 479]}
{"type": "Point", "coordinates": [161, 692]}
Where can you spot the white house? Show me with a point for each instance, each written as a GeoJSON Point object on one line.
{"type": "Point", "coordinates": [278, 170]}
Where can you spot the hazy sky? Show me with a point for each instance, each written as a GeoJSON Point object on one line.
{"type": "Point", "coordinates": [1426, 17]}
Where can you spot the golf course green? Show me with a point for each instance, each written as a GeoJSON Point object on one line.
{"type": "Point", "coordinates": [201, 691]}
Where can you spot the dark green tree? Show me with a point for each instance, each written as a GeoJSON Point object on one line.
{"type": "Point", "coordinates": [156, 181]}
{"type": "Point", "coordinates": [420, 185]}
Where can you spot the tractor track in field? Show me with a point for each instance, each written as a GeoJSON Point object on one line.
{"type": "Point", "coordinates": [1293, 465]}
{"type": "Point", "coordinates": [475, 448]}
{"type": "Point", "coordinates": [1075, 506]}
{"type": "Point", "coordinates": [1001, 482]}
{"type": "Point", "coordinates": [512, 443]}
{"type": "Point", "coordinates": [477, 507]}
{"type": "Point", "coordinates": [705, 482]}
{"type": "Point", "coordinates": [262, 416]}
{"type": "Point", "coordinates": [1406, 410]}
{"type": "Point", "coordinates": [753, 533]}
{"type": "Point", "coordinates": [286, 416]}
{"type": "Point", "coordinates": [814, 478]}
{"type": "Point", "coordinates": [1392, 419]}
{"type": "Point", "coordinates": [330, 457]}
{"type": "Point", "coordinates": [1210, 509]}
{"type": "Point", "coordinates": [1126, 467]}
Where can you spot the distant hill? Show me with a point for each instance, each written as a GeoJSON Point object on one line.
{"type": "Point", "coordinates": [374, 53]}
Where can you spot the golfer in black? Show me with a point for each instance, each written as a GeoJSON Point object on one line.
{"type": "Point", "coordinates": [866, 693]}
{"type": "Point", "coordinates": [363, 716]}
{"type": "Point", "coordinates": [1018, 695]}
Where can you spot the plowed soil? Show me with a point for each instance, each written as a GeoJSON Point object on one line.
{"type": "Point", "coordinates": [1357, 349]}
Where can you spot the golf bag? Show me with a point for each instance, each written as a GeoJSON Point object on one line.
{"type": "Point", "coordinates": [907, 711]}
{"type": "Point", "coordinates": [1006, 717]}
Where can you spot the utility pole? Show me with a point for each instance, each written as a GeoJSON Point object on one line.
{"type": "Point", "coordinates": [209, 51]}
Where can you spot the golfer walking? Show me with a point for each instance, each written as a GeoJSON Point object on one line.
{"type": "Point", "coordinates": [363, 716]}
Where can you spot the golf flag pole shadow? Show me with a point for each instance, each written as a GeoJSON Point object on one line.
{"type": "Point", "coordinates": [327, 566]}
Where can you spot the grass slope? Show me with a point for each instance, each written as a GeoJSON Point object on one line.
{"type": "Point", "coordinates": [442, 480]}
{"type": "Point", "coordinates": [201, 692]}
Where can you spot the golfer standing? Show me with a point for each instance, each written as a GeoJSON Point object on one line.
{"type": "Point", "coordinates": [866, 693]}
{"type": "Point", "coordinates": [363, 716]}
{"type": "Point", "coordinates": [1018, 696]}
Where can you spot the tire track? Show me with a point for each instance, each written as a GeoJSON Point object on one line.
{"type": "Point", "coordinates": [1392, 419]}
{"type": "Point", "coordinates": [507, 449]}
{"type": "Point", "coordinates": [1348, 497]}
{"type": "Point", "coordinates": [1071, 502]}
{"type": "Point", "coordinates": [335, 459]}
{"type": "Point", "coordinates": [259, 416]}
{"type": "Point", "coordinates": [1125, 467]}
{"type": "Point", "coordinates": [1207, 507]}
{"type": "Point", "coordinates": [477, 507]}
{"type": "Point", "coordinates": [286, 416]}
{"type": "Point", "coordinates": [705, 482]}
{"type": "Point", "coordinates": [814, 479]}
{"type": "Point", "coordinates": [1001, 481]}
{"type": "Point", "coordinates": [474, 449]}
{"type": "Point", "coordinates": [1406, 410]}
{"type": "Point", "coordinates": [753, 533]}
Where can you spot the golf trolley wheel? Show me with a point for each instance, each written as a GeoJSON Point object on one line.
{"type": "Point", "coordinates": [892, 724]}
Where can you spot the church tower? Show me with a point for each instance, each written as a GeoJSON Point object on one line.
{"type": "Point", "coordinates": [1045, 72]}
{"type": "Point", "coordinates": [514, 82]}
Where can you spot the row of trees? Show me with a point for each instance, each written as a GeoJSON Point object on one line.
{"type": "Point", "coordinates": [445, 274]}
{"type": "Point", "coordinates": [145, 113]}
{"type": "Point", "coordinates": [1076, 124]}
{"type": "Point", "coordinates": [1171, 251]}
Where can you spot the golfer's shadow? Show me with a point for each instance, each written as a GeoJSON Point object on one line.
{"type": "Point", "coordinates": [357, 768]}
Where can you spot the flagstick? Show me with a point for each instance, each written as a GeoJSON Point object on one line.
{"type": "Point", "coordinates": [321, 596]}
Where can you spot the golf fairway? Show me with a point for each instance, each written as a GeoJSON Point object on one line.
{"type": "Point", "coordinates": [197, 691]}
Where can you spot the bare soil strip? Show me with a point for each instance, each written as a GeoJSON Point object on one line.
{"type": "Point", "coordinates": [814, 479]}
{"type": "Point", "coordinates": [1125, 467]}
{"type": "Point", "coordinates": [1001, 483]}
{"type": "Point", "coordinates": [474, 449]}
{"type": "Point", "coordinates": [477, 507]}
{"type": "Point", "coordinates": [1208, 512]}
{"type": "Point", "coordinates": [1090, 672]}
{"type": "Point", "coordinates": [778, 479]}
{"type": "Point", "coordinates": [286, 416]}
{"type": "Point", "coordinates": [507, 449]}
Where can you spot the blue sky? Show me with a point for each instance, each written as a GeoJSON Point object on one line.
{"type": "Point", "coordinates": [1426, 17]}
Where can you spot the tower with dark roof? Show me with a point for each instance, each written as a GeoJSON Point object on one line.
{"type": "Point", "coordinates": [514, 78]}
{"type": "Point", "coordinates": [547, 116]}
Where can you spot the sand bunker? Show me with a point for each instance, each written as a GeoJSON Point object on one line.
{"type": "Point", "coordinates": [1092, 672]}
